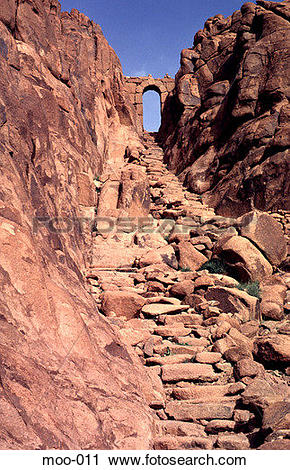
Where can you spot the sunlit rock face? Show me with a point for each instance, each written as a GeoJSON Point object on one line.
{"type": "Point", "coordinates": [226, 128]}
{"type": "Point", "coordinates": [67, 380]}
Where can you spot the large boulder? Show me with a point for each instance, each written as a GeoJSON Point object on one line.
{"type": "Point", "coordinates": [273, 297]}
{"type": "Point", "coordinates": [165, 255]}
{"type": "Point", "coordinates": [274, 348]}
{"type": "Point", "coordinates": [266, 233]}
{"type": "Point", "coordinates": [189, 257]}
{"type": "Point", "coordinates": [264, 391]}
{"type": "Point", "coordinates": [235, 301]}
{"type": "Point", "coordinates": [122, 304]}
{"type": "Point", "coordinates": [243, 258]}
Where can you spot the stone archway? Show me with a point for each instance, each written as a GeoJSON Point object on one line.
{"type": "Point", "coordinates": [137, 86]}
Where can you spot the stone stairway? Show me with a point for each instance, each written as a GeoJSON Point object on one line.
{"type": "Point", "coordinates": [199, 359]}
{"type": "Point", "coordinates": [169, 198]}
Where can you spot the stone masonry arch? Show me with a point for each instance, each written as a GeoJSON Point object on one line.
{"type": "Point", "coordinates": [137, 86]}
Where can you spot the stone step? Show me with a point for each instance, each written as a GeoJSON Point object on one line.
{"type": "Point", "coordinates": [155, 309]}
{"type": "Point", "coordinates": [197, 393]}
{"type": "Point", "coordinates": [188, 372]}
{"type": "Point", "coordinates": [173, 443]}
{"type": "Point", "coordinates": [167, 347]}
{"type": "Point", "coordinates": [189, 411]}
{"type": "Point", "coordinates": [162, 360]}
{"type": "Point", "coordinates": [175, 330]}
{"type": "Point", "coordinates": [179, 428]}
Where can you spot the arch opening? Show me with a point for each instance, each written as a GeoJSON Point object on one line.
{"type": "Point", "coordinates": [151, 108]}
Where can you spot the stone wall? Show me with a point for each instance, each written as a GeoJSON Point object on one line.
{"type": "Point", "coordinates": [137, 86]}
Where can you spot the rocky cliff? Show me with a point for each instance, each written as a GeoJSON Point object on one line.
{"type": "Point", "coordinates": [226, 129]}
{"type": "Point", "coordinates": [67, 381]}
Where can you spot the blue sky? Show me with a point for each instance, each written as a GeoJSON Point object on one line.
{"type": "Point", "coordinates": [149, 35]}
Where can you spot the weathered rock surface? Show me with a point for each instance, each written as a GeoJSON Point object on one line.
{"type": "Point", "coordinates": [188, 411]}
{"type": "Point", "coordinates": [232, 300]}
{"type": "Point", "coordinates": [266, 233]}
{"type": "Point", "coordinates": [176, 372]}
{"type": "Point", "coordinates": [226, 131]}
{"type": "Point", "coordinates": [244, 259]}
{"type": "Point", "coordinates": [273, 298]}
{"type": "Point", "coordinates": [189, 257]}
{"type": "Point", "coordinates": [122, 304]}
{"type": "Point", "coordinates": [273, 348]}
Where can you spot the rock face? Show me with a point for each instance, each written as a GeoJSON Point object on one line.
{"type": "Point", "coordinates": [226, 126]}
{"type": "Point", "coordinates": [64, 119]}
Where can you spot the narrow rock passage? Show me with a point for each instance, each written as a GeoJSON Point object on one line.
{"type": "Point", "coordinates": [208, 389]}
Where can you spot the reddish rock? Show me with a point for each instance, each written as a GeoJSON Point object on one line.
{"type": "Point", "coordinates": [266, 233]}
{"type": "Point", "coordinates": [244, 259]}
{"type": "Point", "coordinates": [233, 300]}
{"type": "Point", "coordinates": [187, 411]}
{"type": "Point", "coordinates": [190, 371]}
{"type": "Point", "coordinates": [181, 289]}
{"type": "Point", "coordinates": [264, 391]}
{"type": "Point", "coordinates": [134, 197]}
{"type": "Point", "coordinates": [186, 318]}
{"type": "Point", "coordinates": [185, 349]}
{"type": "Point", "coordinates": [110, 256]}
{"type": "Point", "coordinates": [203, 281]}
{"type": "Point", "coordinates": [123, 304]}
{"type": "Point", "coordinates": [157, 399]}
{"type": "Point", "coordinates": [219, 425]}
{"type": "Point", "coordinates": [236, 388]}
{"type": "Point", "coordinates": [154, 286]}
{"type": "Point", "coordinates": [150, 240]}
{"type": "Point", "coordinates": [181, 428]}
{"type": "Point", "coordinates": [277, 416]}
{"type": "Point", "coordinates": [197, 393]}
{"type": "Point", "coordinates": [208, 357]}
{"type": "Point", "coordinates": [233, 442]}
{"type": "Point", "coordinates": [237, 353]}
{"type": "Point", "coordinates": [189, 257]}
{"type": "Point", "coordinates": [273, 298]}
{"type": "Point", "coordinates": [242, 416]}
{"type": "Point", "coordinates": [273, 348]}
{"type": "Point", "coordinates": [163, 309]}
{"type": "Point", "coordinates": [174, 359]}
{"type": "Point", "coordinates": [161, 255]}
{"type": "Point", "coordinates": [279, 444]}
{"type": "Point", "coordinates": [190, 341]}
{"type": "Point", "coordinates": [248, 368]}
{"type": "Point", "coordinates": [64, 116]}
{"type": "Point", "coordinates": [176, 329]}
{"type": "Point", "coordinates": [132, 336]}
{"type": "Point", "coordinates": [186, 443]}
{"type": "Point", "coordinates": [222, 345]}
